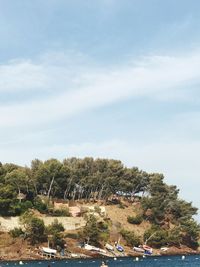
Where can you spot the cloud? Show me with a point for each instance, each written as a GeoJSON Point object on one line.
{"type": "Point", "coordinates": [174, 151]}
{"type": "Point", "coordinates": [21, 76]}
{"type": "Point", "coordinates": [91, 87]}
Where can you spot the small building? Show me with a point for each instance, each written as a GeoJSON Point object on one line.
{"type": "Point", "coordinates": [21, 196]}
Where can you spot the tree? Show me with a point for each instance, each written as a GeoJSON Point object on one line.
{"type": "Point", "coordinates": [131, 238]}
{"type": "Point", "coordinates": [36, 232]}
{"type": "Point", "coordinates": [55, 227]}
{"type": "Point", "coordinates": [36, 164]}
{"type": "Point", "coordinates": [182, 210]}
{"type": "Point", "coordinates": [91, 231]}
{"type": "Point", "coordinates": [190, 233]}
{"type": "Point", "coordinates": [159, 200]}
{"type": "Point", "coordinates": [134, 181]}
{"type": "Point", "coordinates": [18, 179]}
{"type": "Point", "coordinates": [47, 174]}
{"type": "Point", "coordinates": [7, 198]}
{"type": "Point", "coordinates": [97, 180]}
{"type": "Point", "coordinates": [34, 228]}
{"type": "Point", "coordinates": [175, 236]}
{"type": "Point", "coordinates": [55, 231]}
{"type": "Point", "coordinates": [95, 231]}
{"type": "Point", "coordinates": [156, 236]}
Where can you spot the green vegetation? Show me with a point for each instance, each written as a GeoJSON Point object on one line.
{"type": "Point", "coordinates": [17, 232]}
{"type": "Point", "coordinates": [186, 233]}
{"type": "Point", "coordinates": [91, 232]}
{"type": "Point", "coordinates": [55, 235]}
{"type": "Point", "coordinates": [135, 219]}
{"type": "Point", "coordinates": [34, 228]}
{"type": "Point", "coordinates": [108, 181]}
{"type": "Point", "coordinates": [58, 212]}
{"type": "Point", "coordinates": [131, 238]}
{"type": "Point", "coordinates": [156, 236]}
{"type": "Point", "coordinates": [95, 231]}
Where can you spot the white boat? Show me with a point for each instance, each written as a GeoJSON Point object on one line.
{"type": "Point", "coordinates": [93, 248]}
{"type": "Point", "coordinates": [137, 249]}
{"type": "Point", "coordinates": [49, 250]}
{"type": "Point", "coordinates": [109, 247]}
{"type": "Point", "coordinates": [89, 247]}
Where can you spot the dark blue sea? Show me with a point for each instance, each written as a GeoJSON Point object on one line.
{"type": "Point", "coordinates": [164, 261]}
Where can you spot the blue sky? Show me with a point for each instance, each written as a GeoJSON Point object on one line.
{"type": "Point", "coordinates": [103, 78]}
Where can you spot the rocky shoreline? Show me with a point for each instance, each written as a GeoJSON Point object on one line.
{"type": "Point", "coordinates": [172, 251]}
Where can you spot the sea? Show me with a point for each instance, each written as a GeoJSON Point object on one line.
{"type": "Point", "coordinates": [161, 261]}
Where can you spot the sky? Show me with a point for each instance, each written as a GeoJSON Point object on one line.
{"type": "Point", "coordinates": [103, 78]}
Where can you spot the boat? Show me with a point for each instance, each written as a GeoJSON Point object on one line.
{"type": "Point", "coordinates": [49, 250]}
{"type": "Point", "coordinates": [109, 247]}
{"type": "Point", "coordinates": [93, 248]}
{"type": "Point", "coordinates": [144, 249]}
{"type": "Point", "coordinates": [147, 250]}
{"type": "Point", "coordinates": [119, 248]}
{"type": "Point", "coordinates": [138, 249]}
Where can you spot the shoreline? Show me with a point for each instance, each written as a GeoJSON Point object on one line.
{"type": "Point", "coordinates": [131, 255]}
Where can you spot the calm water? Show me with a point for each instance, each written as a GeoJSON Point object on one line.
{"type": "Point", "coordinates": [172, 261]}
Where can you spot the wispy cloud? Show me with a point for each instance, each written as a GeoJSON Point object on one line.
{"type": "Point", "coordinates": [71, 87]}
{"type": "Point", "coordinates": [92, 87]}
{"type": "Point", "coordinates": [22, 75]}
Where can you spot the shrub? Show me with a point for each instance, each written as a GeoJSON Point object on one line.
{"type": "Point", "coordinates": [15, 208]}
{"type": "Point", "coordinates": [121, 205]}
{"type": "Point", "coordinates": [60, 212]}
{"type": "Point", "coordinates": [95, 231]}
{"type": "Point", "coordinates": [16, 232]}
{"type": "Point", "coordinates": [36, 231]}
{"type": "Point", "coordinates": [156, 237]}
{"type": "Point", "coordinates": [57, 241]}
{"type": "Point", "coordinates": [40, 205]}
{"type": "Point", "coordinates": [34, 227]}
{"type": "Point", "coordinates": [103, 226]}
{"type": "Point", "coordinates": [72, 235]}
{"type": "Point", "coordinates": [91, 231]}
{"type": "Point", "coordinates": [97, 209]}
{"type": "Point", "coordinates": [190, 233]}
{"type": "Point", "coordinates": [18, 208]}
{"type": "Point", "coordinates": [26, 205]}
{"type": "Point", "coordinates": [175, 237]}
{"type": "Point", "coordinates": [135, 219]}
{"type": "Point", "coordinates": [55, 231]}
{"type": "Point", "coordinates": [55, 227]}
{"type": "Point", "coordinates": [131, 238]}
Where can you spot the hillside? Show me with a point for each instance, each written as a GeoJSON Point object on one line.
{"type": "Point", "coordinates": [20, 248]}
{"type": "Point", "coordinates": [94, 201]}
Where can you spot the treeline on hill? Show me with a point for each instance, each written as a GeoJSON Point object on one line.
{"type": "Point", "coordinates": [88, 179]}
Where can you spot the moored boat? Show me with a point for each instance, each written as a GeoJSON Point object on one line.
{"type": "Point", "coordinates": [138, 249]}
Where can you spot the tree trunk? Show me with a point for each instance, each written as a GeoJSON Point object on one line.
{"type": "Point", "coordinates": [50, 187]}
{"type": "Point", "coordinates": [67, 189]}
{"type": "Point", "coordinates": [101, 192]}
